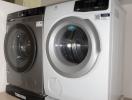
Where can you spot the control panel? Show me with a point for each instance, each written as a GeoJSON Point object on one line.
{"type": "Point", "coordinates": [31, 12]}
{"type": "Point", "coordinates": [91, 5]}
{"type": "Point", "coordinates": [26, 13]}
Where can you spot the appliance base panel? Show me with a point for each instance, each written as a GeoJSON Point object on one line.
{"type": "Point", "coordinates": [23, 94]}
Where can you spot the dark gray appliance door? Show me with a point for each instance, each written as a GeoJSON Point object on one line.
{"type": "Point", "coordinates": [73, 46]}
{"type": "Point", "coordinates": [20, 47]}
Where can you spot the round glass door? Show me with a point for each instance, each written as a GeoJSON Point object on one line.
{"type": "Point", "coordinates": [73, 47]}
{"type": "Point", "coordinates": [20, 47]}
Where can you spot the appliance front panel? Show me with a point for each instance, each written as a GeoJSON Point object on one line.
{"type": "Point", "coordinates": [95, 84]}
{"type": "Point", "coordinates": [32, 78]}
{"type": "Point", "coordinates": [73, 47]}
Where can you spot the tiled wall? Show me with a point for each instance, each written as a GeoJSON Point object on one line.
{"type": "Point", "coordinates": [32, 3]}
{"type": "Point", "coordinates": [127, 99]}
{"type": "Point", "coordinates": [128, 53]}
{"type": "Point", "coordinates": [36, 3]}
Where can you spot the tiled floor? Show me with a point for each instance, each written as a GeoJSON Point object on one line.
{"type": "Point", "coordinates": [127, 99]}
{"type": "Point", "coordinates": [4, 96]}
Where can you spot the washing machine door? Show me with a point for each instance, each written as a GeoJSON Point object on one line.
{"type": "Point", "coordinates": [20, 47]}
{"type": "Point", "coordinates": [73, 47]}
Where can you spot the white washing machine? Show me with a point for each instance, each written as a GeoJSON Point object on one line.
{"type": "Point", "coordinates": [83, 50]}
{"type": "Point", "coordinates": [5, 9]}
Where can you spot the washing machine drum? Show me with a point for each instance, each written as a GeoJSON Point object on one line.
{"type": "Point", "coordinates": [73, 47]}
{"type": "Point", "coordinates": [20, 47]}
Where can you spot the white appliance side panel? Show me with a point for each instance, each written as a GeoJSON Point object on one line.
{"type": "Point", "coordinates": [117, 52]}
{"type": "Point", "coordinates": [2, 58]}
{"type": "Point", "coordinates": [93, 86]}
{"type": "Point", "coordinates": [5, 8]}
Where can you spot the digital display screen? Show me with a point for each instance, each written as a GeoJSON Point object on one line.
{"type": "Point", "coordinates": [91, 5]}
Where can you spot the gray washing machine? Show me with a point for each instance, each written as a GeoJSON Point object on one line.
{"type": "Point", "coordinates": [23, 53]}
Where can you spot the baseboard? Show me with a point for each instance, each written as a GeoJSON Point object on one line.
{"type": "Point", "coordinates": [127, 99]}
